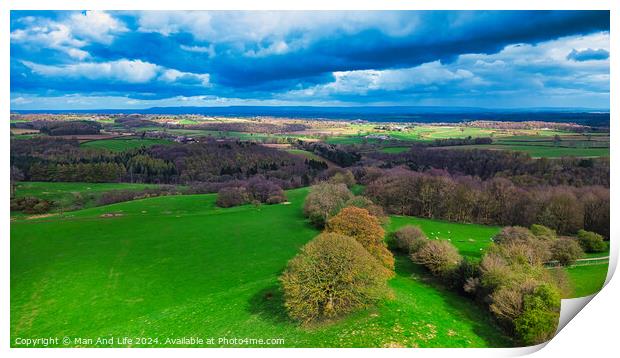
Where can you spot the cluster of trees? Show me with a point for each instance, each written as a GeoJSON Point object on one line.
{"type": "Point", "coordinates": [344, 268]}
{"type": "Point", "coordinates": [510, 280]}
{"type": "Point", "coordinates": [255, 190]}
{"type": "Point", "coordinates": [568, 127]}
{"type": "Point", "coordinates": [328, 198]}
{"type": "Point", "coordinates": [73, 172]}
{"type": "Point", "coordinates": [460, 141]}
{"type": "Point", "coordinates": [58, 128]}
{"type": "Point", "coordinates": [57, 159]}
{"type": "Point", "coordinates": [135, 122]}
{"type": "Point", "coordinates": [496, 201]}
{"type": "Point", "coordinates": [517, 166]}
{"type": "Point", "coordinates": [344, 156]}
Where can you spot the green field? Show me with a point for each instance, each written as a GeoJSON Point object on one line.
{"type": "Point", "coordinates": [118, 145]}
{"type": "Point", "coordinates": [541, 151]}
{"type": "Point", "coordinates": [64, 194]}
{"type": "Point", "coordinates": [587, 279]}
{"type": "Point", "coordinates": [470, 239]}
{"type": "Point", "coordinates": [177, 266]}
{"type": "Point", "coordinates": [538, 143]}
{"type": "Point", "coordinates": [427, 133]}
{"type": "Point", "coordinates": [305, 154]}
{"type": "Point", "coordinates": [309, 155]}
{"type": "Point", "coordinates": [394, 149]}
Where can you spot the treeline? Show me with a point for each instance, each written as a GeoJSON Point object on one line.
{"type": "Point", "coordinates": [58, 128]}
{"type": "Point", "coordinates": [341, 155]}
{"type": "Point", "coordinates": [250, 127]}
{"type": "Point", "coordinates": [135, 122]}
{"type": "Point", "coordinates": [541, 125]}
{"type": "Point", "coordinates": [518, 167]}
{"type": "Point", "coordinates": [496, 201]}
{"type": "Point", "coordinates": [460, 141]}
{"type": "Point", "coordinates": [55, 159]}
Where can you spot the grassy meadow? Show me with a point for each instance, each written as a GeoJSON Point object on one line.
{"type": "Point", "coordinates": [121, 144]}
{"type": "Point", "coordinates": [177, 266]}
{"type": "Point", "coordinates": [587, 279]}
{"type": "Point", "coordinates": [64, 194]}
{"type": "Point", "coordinates": [469, 239]}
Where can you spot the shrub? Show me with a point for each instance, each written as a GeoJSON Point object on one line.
{"type": "Point", "coordinates": [591, 241]}
{"type": "Point", "coordinates": [365, 203]}
{"type": "Point", "coordinates": [343, 177]}
{"type": "Point", "coordinates": [438, 256]}
{"type": "Point", "coordinates": [324, 201]}
{"type": "Point", "coordinates": [543, 232]}
{"type": "Point", "coordinates": [508, 265]}
{"type": "Point", "coordinates": [366, 229]}
{"type": "Point", "coordinates": [566, 250]}
{"type": "Point", "coordinates": [276, 198]}
{"type": "Point", "coordinates": [31, 205]}
{"type": "Point", "coordinates": [520, 245]}
{"type": "Point", "coordinates": [494, 271]}
{"type": "Point", "coordinates": [541, 311]}
{"type": "Point", "coordinates": [232, 196]}
{"type": "Point", "coordinates": [507, 302]}
{"type": "Point", "coordinates": [331, 276]}
{"type": "Point", "coordinates": [265, 191]}
{"type": "Point", "coordinates": [511, 234]}
{"type": "Point", "coordinates": [410, 239]}
{"type": "Point", "coordinates": [118, 196]}
{"type": "Point", "coordinates": [466, 274]}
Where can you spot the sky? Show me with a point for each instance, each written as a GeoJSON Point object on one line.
{"type": "Point", "coordinates": [133, 59]}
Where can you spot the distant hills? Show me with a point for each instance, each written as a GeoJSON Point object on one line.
{"type": "Point", "coordinates": [586, 116]}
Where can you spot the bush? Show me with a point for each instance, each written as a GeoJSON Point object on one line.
{"type": "Point", "coordinates": [507, 302]}
{"type": "Point", "coordinates": [343, 177]}
{"type": "Point", "coordinates": [566, 250]}
{"type": "Point", "coordinates": [331, 276]}
{"type": "Point", "coordinates": [366, 229]}
{"type": "Point", "coordinates": [409, 239]}
{"type": "Point", "coordinates": [541, 312]}
{"type": "Point", "coordinates": [591, 241]}
{"type": "Point", "coordinates": [438, 256]}
{"type": "Point", "coordinates": [118, 196]}
{"type": "Point", "coordinates": [543, 232]}
{"type": "Point", "coordinates": [324, 201]}
{"type": "Point", "coordinates": [520, 245]}
{"type": "Point", "coordinates": [512, 234]}
{"type": "Point", "coordinates": [232, 196]}
{"type": "Point", "coordinates": [31, 205]}
{"type": "Point", "coordinates": [365, 203]}
{"type": "Point", "coordinates": [265, 191]}
{"type": "Point", "coordinates": [466, 274]}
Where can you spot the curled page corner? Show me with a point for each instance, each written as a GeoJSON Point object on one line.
{"type": "Point", "coordinates": [571, 307]}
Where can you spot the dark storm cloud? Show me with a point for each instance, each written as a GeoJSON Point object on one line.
{"type": "Point", "coordinates": [264, 55]}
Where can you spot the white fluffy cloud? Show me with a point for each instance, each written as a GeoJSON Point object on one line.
{"type": "Point", "coordinates": [172, 76]}
{"type": "Point", "coordinates": [535, 71]}
{"type": "Point", "coordinates": [97, 26]}
{"type": "Point", "coordinates": [129, 71]}
{"type": "Point", "coordinates": [70, 34]}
